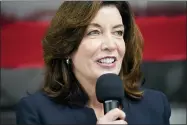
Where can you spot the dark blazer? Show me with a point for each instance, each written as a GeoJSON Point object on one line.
{"type": "Point", "coordinates": [38, 109]}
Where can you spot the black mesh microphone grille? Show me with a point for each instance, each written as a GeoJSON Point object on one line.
{"type": "Point", "coordinates": [109, 87]}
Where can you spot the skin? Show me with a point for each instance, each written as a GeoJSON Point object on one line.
{"type": "Point", "coordinates": [104, 37]}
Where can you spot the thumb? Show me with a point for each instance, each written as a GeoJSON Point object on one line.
{"type": "Point", "coordinates": [113, 114]}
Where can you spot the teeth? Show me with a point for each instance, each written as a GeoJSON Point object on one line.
{"type": "Point", "coordinates": [107, 60]}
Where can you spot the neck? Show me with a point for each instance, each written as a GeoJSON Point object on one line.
{"type": "Point", "coordinates": [93, 102]}
{"type": "Point", "coordinates": [89, 88]}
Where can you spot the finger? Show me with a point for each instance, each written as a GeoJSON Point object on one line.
{"type": "Point", "coordinates": [114, 114]}
{"type": "Point", "coordinates": [119, 122]}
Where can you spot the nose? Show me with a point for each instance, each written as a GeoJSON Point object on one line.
{"type": "Point", "coordinates": [108, 43]}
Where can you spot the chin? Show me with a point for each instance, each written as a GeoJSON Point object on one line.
{"type": "Point", "coordinates": [105, 72]}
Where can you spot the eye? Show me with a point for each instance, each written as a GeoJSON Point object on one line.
{"type": "Point", "coordinates": [94, 32]}
{"type": "Point", "coordinates": [119, 33]}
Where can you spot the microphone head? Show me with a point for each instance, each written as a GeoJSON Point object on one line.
{"type": "Point", "coordinates": [109, 87]}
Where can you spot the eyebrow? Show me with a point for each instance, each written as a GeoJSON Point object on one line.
{"type": "Point", "coordinates": [118, 26]}
{"type": "Point", "coordinates": [99, 26]}
{"type": "Point", "coordinates": [95, 25]}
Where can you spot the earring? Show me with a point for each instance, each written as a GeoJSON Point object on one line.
{"type": "Point", "coordinates": [67, 61]}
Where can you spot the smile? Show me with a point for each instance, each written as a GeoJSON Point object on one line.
{"type": "Point", "coordinates": [107, 62]}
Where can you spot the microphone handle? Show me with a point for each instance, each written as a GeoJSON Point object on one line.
{"type": "Point", "coordinates": [110, 104]}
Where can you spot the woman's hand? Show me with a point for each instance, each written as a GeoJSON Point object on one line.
{"type": "Point", "coordinates": [111, 116]}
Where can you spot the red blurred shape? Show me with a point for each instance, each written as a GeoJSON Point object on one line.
{"type": "Point", "coordinates": [21, 44]}
{"type": "Point", "coordinates": [165, 40]}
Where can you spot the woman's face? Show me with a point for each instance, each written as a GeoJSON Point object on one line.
{"type": "Point", "coordinates": [102, 49]}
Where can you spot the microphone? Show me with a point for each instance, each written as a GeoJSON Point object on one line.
{"type": "Point", "coordinates": [109, 91]}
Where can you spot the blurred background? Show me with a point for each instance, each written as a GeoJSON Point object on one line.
{"type": "Point", "coordinates": [23, 25]}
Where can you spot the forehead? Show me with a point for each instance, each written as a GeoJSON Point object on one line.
{"type": "Point", "coordinates": [108, 14]}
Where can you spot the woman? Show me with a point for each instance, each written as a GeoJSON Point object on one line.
{"type": "Point", "coordinates": [85, 40]}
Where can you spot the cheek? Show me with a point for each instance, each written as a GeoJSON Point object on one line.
{"type": "Point", "coordinates": [86, 50]}
{"type": "Point", "coordinates": [90, 46]}
{"type": "Point", "coordinates": [121, 48]}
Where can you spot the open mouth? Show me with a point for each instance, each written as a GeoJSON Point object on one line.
{"type": "Point", "coordinates": [107, 60]}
